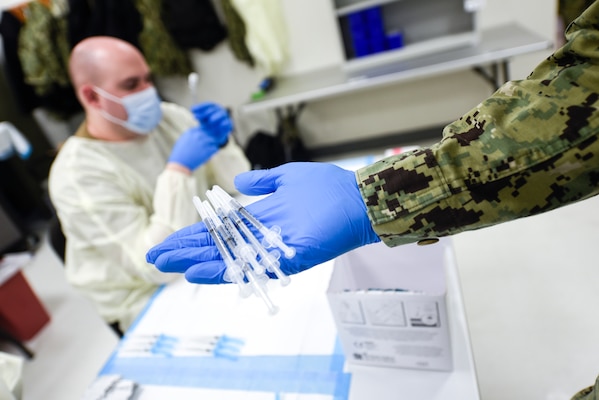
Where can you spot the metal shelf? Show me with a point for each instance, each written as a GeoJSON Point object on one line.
{"type": "Point", "coordinates": [496, 45]}
{"type": "Point", "coordinates": [362, 5]}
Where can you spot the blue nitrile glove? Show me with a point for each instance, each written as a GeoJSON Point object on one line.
{"type": "Point", "coordinates": [194, 147]}
{"type": "Point", "coordinates": [318, 207]}
{"type": "Point", "coordinates": [215, 120]}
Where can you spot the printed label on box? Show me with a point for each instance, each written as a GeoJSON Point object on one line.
{"type": "Point", "coordinates": [380, 324]}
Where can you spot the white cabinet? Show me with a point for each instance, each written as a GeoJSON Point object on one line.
{"type": "Point", "coordinates": [375, 32]}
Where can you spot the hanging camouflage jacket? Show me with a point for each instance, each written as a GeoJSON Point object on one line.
{"type": "Point", "coordinates": [531, 147]}
{"type": "Point", "coordinates": [237, 31]}
{"type": "Point", "coordinates": [44, 49]}
{"type": "Point", "coordinates": [162, 53]}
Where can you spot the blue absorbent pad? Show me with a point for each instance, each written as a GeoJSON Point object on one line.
{"type": "Point", "coordinates": [289, 374]}
{"type": "Point", "coordinates": [319, 373]}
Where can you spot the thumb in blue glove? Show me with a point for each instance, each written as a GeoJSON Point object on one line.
{"type": "Point", "coordinates": [214, 119]}
{"type": "Point", "coordinates": [194, 148]}
{"type": "Point", "coordinates": [318, 207]}
{"type": "Point", "coordinates": [187, 248]}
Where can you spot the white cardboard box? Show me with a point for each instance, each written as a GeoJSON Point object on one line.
{"type": "Point", "coordinates": [389, 305]}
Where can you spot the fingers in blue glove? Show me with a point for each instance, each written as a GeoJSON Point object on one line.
{"type": "Point", "coordinates": [179, 260]}
{"type": "Point", "coordinates": [204, 111]}
{"type": "Point", "coordinates": [222, 122]}
{"type": "Point", "coordinates": [209, 272]}
{"type": "Point", "coordinates": [258, 182]}
{"type": "Point", "coordinates": [215, 116]}
{"type": "Point", "coordinates": [178, 240]}
{"type": "Point", "coordinates": [215, 120]}
{"type": "Point", "coordinates": [195, 147]}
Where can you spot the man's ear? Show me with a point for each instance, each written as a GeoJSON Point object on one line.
{"type": "Point", "coordinates": [89, 95]}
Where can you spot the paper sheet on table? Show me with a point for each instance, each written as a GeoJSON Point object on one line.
{"type": "Point", "coordinates": [294, 354]}
{"type": "Point", "coordinates": [185, 309]}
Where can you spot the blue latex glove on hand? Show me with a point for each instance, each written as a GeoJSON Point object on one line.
{"type": "Point", "coordinates": [194, 147]}
{"type": "Point", "coordinates": [215, 120]}
{"type": "Point", "coordinates": [318, 207]}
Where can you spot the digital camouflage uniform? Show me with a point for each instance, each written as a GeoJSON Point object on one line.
{"type": "Point", "coordinates": [569, 10]}
{"type": "Point", "coordinates": [531, 147]}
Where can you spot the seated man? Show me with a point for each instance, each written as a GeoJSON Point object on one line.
{"type": "Point", "coordinates": [126, 179]}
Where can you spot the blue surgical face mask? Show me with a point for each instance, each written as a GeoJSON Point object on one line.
{"type": "Point", "coordinates": [143, 110]}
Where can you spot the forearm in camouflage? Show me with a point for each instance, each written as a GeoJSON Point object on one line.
{"type": "Point", "coordinates": [590, 393]}
{"type": "Point", "coordinates": [531, 147]}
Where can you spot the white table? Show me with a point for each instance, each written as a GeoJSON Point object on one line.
{"type": "Point", "coordinates": [182, 309]}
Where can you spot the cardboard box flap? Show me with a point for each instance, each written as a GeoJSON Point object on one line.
{"type": "Point", "coordinates": [377, 266]}
{"type": "Point", "coordinates": [383, 326]}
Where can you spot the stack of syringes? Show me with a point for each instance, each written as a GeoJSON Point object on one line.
{"type": "Point", "coordinates": [246, 258]}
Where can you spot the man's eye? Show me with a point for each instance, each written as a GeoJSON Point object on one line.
{"type": "Point", "coordinates": [131, 84]}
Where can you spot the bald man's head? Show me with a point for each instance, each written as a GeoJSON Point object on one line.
{"type": "Point", "coordinates": [104, 70]}
{"type": "Point", "coordinates": [98, 58]}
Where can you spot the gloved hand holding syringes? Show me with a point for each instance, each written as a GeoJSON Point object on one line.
{"type": "Point", "coordinates": [246, 258]}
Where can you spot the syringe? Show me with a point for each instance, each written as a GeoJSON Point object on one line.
{"type": "Point", "coordinates": [268, 259]}
{"type": "Point", "coordinates": [259, 289]}
{"type": "Point", "coordinates": [192, 82]}
{"type": "Point", "coordinates": [234, 272]}
{"type": "Point", "coordinates": [272, 236]}
{"type": "Point", "coordinates": [230, 246]}
{"type": "Point", "coordinates": [242, 249]}
{"type": "Point", "coordinates": [255, 282]}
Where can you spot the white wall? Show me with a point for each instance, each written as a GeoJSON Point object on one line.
{"type": "Point", "coordinates": [313, 44]}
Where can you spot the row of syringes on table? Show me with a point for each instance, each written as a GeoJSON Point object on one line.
{"type": "Point", "coordinates": [246, 258]}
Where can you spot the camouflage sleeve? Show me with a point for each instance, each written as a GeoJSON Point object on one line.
{"type": "Point", "coordinates": [531, 147]}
